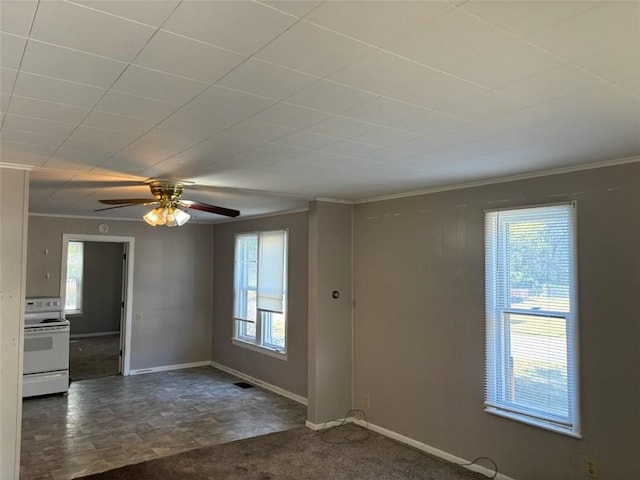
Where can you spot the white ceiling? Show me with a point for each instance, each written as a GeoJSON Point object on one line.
{"type": "Point", "coordinates": [278, 102]}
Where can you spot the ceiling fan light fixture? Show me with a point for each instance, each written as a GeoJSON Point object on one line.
{"type": "Point", "coordinates": [151, 217]}
{"type": "Point", "coordinates": [181, 217]}
{"type": "Point", "coordinates": [166, 215]}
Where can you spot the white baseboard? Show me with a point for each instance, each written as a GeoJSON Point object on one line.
{"type": "Point", "coordinates": [165, 368]}
{"type": "Point", "coordinates": [87, 335]}
{"type": "Point", "coordinates": [322, 426]}
{"type": "Point", "coordinates": [430, 450]}
{"type": "Point", "coordinates": [267, 386]}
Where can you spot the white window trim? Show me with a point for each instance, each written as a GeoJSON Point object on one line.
{"type": "Point", "coordinates": [572, 340]}
{"type": "Point", "coordinates": [245, 342]}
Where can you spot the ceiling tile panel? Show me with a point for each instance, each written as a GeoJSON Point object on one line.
{"type": "Point", "coordinates": [38, 125]}
{"type": "Point", "coordinates": [111, 121]}
{"type": "Point", "coordinates": [71, 65]}
{"type": "Point", "coordinates": [11, 49]}
{"type": "Point", "coordinates": [83, 160]}
{"type": "Point", "coordinates": [152, 13]}
{"type": "Point", "coordinates": [385, 137]}
{"type": "Point", "coordinates": [25, 153]}
{"type": "Point", "coordinates": [511, 62]}
{"type": "Point", "coordinates": [243, 27]}
{"type": "Point", "coordinates": [559, 82]}
{"type": "Point", "coordinates": [157, 85]}
{"type": "Point", "coordinates": [7, 80]}
{"type": "Point", "coordinates": [23, 136]}
{"type": "Point", "coordinates": [231, 102]}
{"type": "Point", "coordinates": [290, 116]}
{"type": "Point", "coordinates": [308, 140]}
{"type": "Point", "coordinates": [74, 26]}
{"type": "Point", "coordinates": [387, 155]}
{"type": "Point", "coordinates": [484, 105]}
{"type": "Point", "coordinates": [56, 90]}
{"type": "Point", "coordinates": [331, 97]}
{"type": "Point", "coordinates": [16, 16]}
{"type": "Point", "coordinates": [135, 106]}
{"type": "Point", "coordinates": [452, 38]}
{"type": "Point", "coordinates": [526, 17]}
{"type": "Point", "coordinates": [428, 123]}
{"type": "Point", "coordinates": [377, 23]}
{"type": "Point", "coordinates": [350, 148]}
{"type": "Point", "coordinates": [47, 110]}
{"type": "Point", "coordinates": [610, 25]}
{"type": "Point", "coordinates": [91, 138]}
{"type": "Point", "coordinates": [383, 111]}
{"type": "Point", "coordinates": [433, 89]}
{"type": "Point", "coordinates": [263, 132]}
{"type": "Point", "coordinates": [341, 127]}
{"type": "Point", "coordinates": [266, 79]}
{"type": "Point", "coordinates": [297, 8]}
{"type": "Point", "coordinates": [313, 50]}
{"type": "Point", "coordinates": [620, 66]}
{"type": "Point", "coordinates": [195, 124]}
{"type": "Point", "coordinates": [4, 102]}
{"type": "Point", "coordinates": [188, 58]}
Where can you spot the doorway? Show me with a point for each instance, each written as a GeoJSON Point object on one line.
{"type": "Point", "coordinates": [96, 283]}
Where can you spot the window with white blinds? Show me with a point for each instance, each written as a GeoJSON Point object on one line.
{"type": "Point", "coordinates": [260, 289]}
{"type": "Point", "coordinates": [531, 335]}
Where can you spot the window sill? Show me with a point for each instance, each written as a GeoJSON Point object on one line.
{"type": "Point", "coordinates": [531, 421]}
{"type": "Point", "coordinates": [260, 349]}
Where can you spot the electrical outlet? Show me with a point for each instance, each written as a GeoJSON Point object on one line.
{"type": "Point", "coordinates": [590, 468]}
{"type": "Point", "coordinates": [367, 401]}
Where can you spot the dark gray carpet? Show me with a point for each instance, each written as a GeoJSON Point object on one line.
{"type": "Point", "coordinates": [348, 452]}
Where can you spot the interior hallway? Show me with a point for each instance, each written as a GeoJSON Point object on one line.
{"type": "Point", "coordinates": [108, 422]}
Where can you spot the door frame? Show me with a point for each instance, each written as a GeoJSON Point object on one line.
{"type": "Point", "coordinates": [127, 274]}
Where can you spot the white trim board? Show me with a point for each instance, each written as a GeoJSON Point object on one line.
{"type": "Point", "coordinates": [166, 368]}
{"type": "Point", "coordinates": [267, 386]}
{"type": "Point", "coordinates": [330, 424]}
{"type": "Point", "coordinates": [429, 449]}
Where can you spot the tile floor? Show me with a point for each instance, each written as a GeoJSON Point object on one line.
{"type": "Point", "coordinates": [93, 357]}
{"type": "Point", "coordinates": [108, 422]}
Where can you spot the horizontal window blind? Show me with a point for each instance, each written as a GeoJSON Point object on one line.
{"type": "Point", "coordinates": [530, 303]}
{"type": "Point", "coordinates": [271, 271]}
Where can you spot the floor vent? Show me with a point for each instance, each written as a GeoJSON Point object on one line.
{"type": "Point", "coordinates": [243, 385]}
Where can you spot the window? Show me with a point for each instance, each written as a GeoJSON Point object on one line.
{"type": "Point", "coordinates": [531, 338]}
{"type": "Point", "coordinates": [73, 289]}
{"type": "Point", "coordinates": [260, 290]}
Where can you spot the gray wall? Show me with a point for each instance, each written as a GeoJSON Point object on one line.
{"type": "Point", "coordinates": [171, 284]}
{"type": "Point", "coordinates": [101, 289]}
{"type": "Point", "coordinates": [419, 323]}
{"type": "Point", "coordinates": [291, 374]}
{"type": "Point", "coordinates": [14, 195]}
{"type": "Point", "coordinates": [330, 319]}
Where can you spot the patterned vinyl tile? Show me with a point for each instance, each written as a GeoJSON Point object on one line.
{"type": "Point", "coordinates": [108, 422]}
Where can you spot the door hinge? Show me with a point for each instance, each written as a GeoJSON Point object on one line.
{"type": "Point", "coordinates": [123, 304]}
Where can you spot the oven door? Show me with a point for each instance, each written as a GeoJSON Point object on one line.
{"type": "Point", "coordinates": [46, 349]}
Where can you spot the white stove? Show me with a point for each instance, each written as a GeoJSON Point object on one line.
{"type": "Point", "coordinates": [46, 347]}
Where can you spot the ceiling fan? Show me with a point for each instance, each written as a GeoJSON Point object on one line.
{"type": "Point", "coordinates": [170, 209]}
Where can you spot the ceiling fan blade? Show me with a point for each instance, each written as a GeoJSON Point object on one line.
{"type": "Point", "coordinates": [126, 205]}
{"type": "Point", "coordinates": [130, 201]}
{"type": "Point", "coordinates": [205, 207]}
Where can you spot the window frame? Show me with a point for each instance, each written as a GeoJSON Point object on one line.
{"type": "Point", "coordinates": [498, 329]}
{"type": "Point", "coordinates": [77, 310]}
{"type": "Point", "coordinates": [258, 341]}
